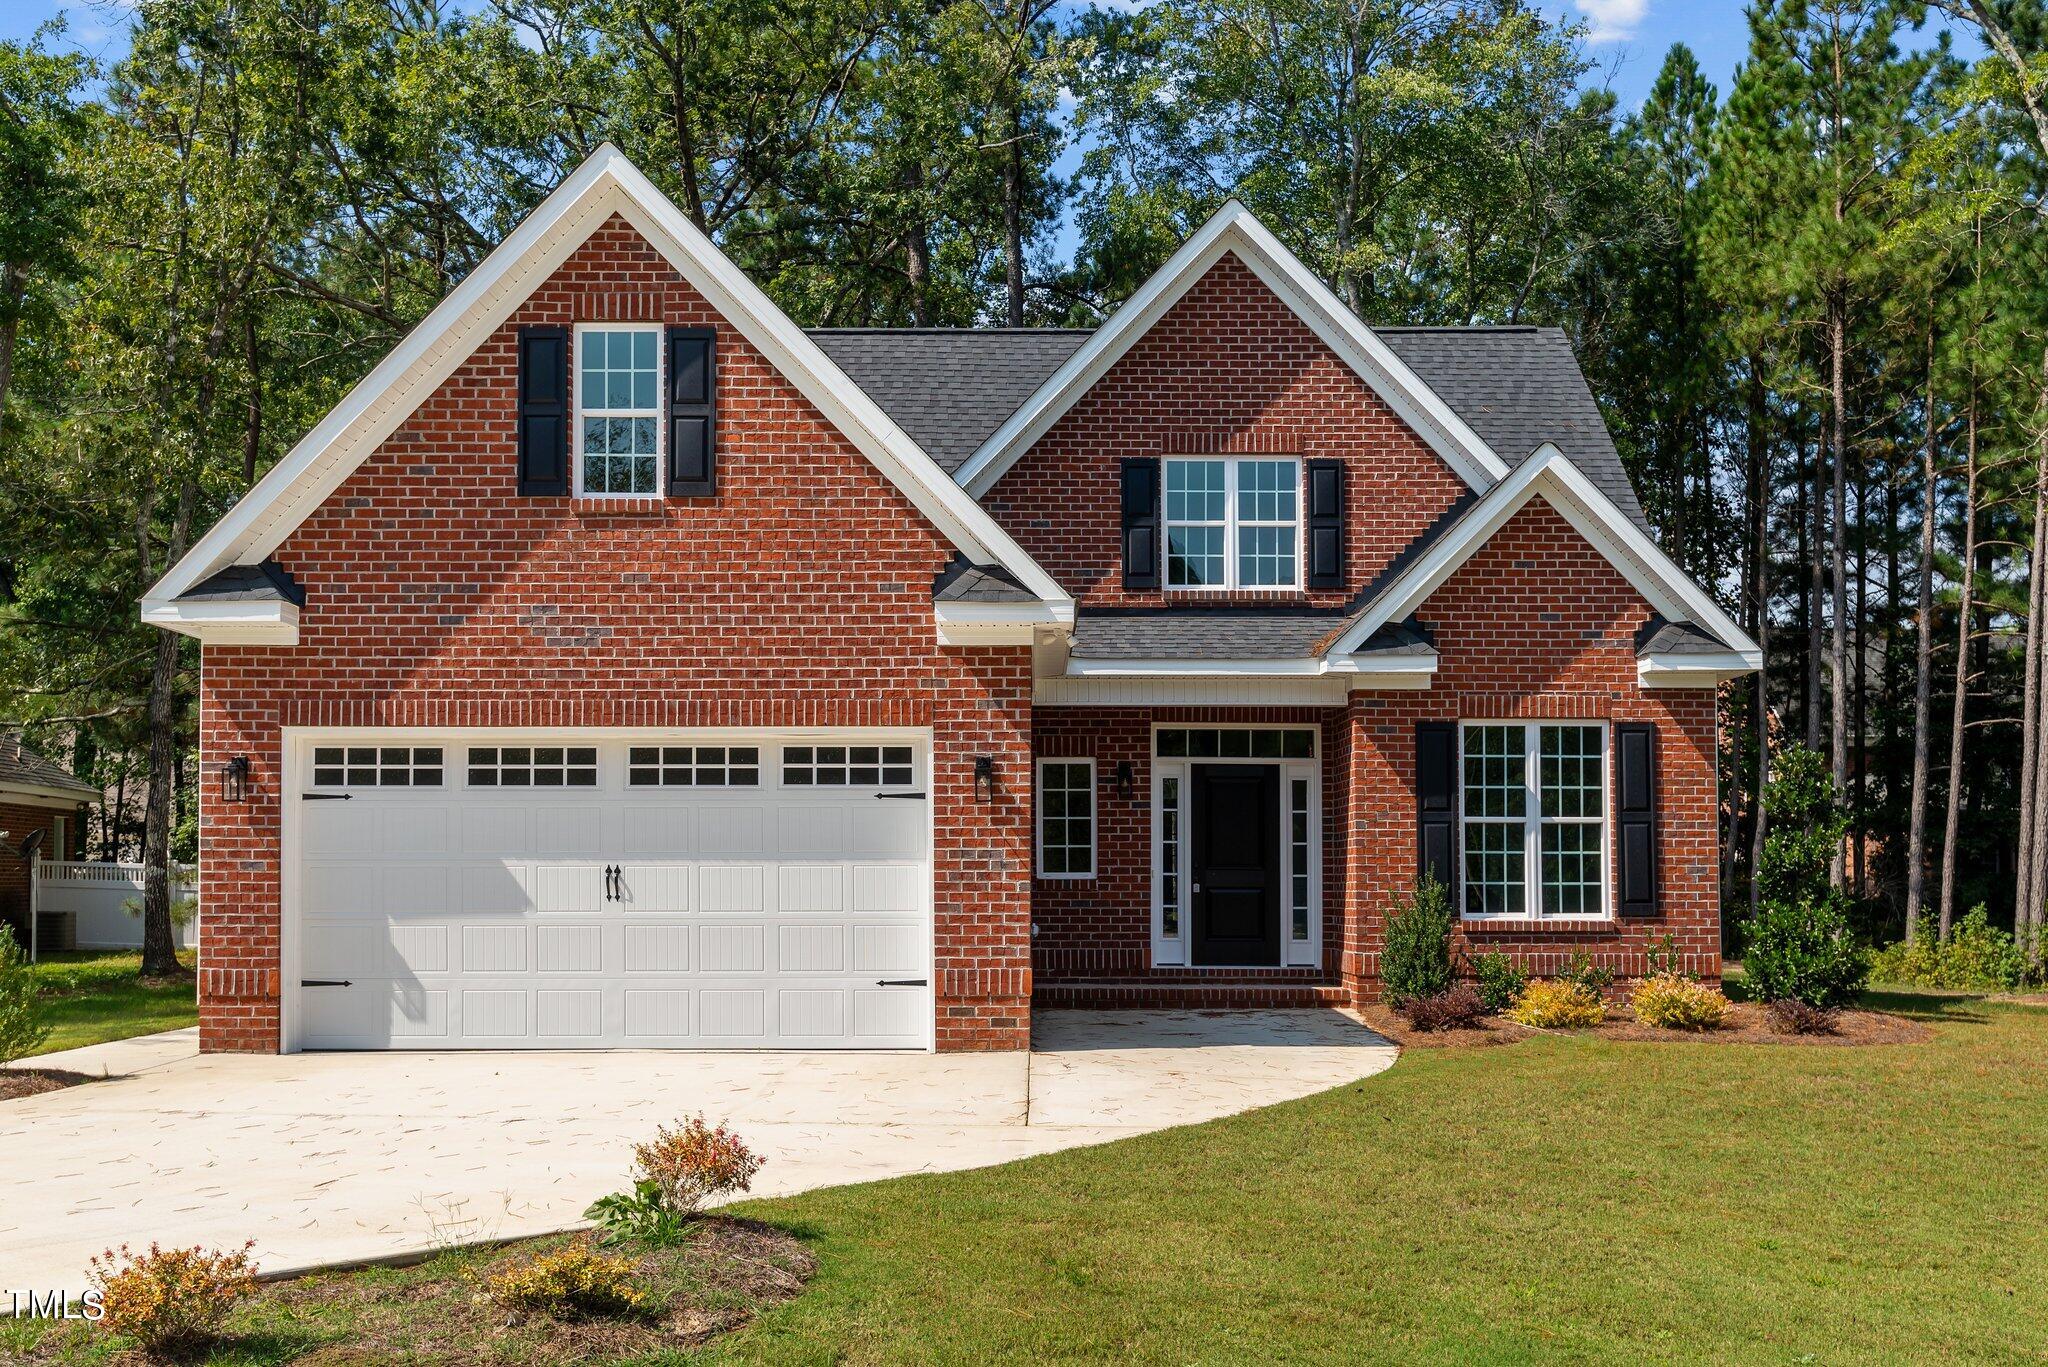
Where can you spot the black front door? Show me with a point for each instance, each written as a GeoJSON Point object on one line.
{"type": "Point", "coordinates": [1234, 856]}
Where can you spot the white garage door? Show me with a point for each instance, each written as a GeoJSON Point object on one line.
{"type": "Point", "coordinates": [748, 890]}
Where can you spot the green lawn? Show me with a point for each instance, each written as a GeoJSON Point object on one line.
{"type": "Point", "coordinates": [95, 997]}
{"type": "Point", "coordinates": [1558, 1199]}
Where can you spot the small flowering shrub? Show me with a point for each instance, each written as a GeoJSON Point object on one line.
{"type": "Point", "coordinates": [1790, 1016]}
{"type": "Point", "coordinates": [1500, 980]}
{"type": "Point", "coordinates": [574, 1280]}
{"type": "Point", "coordinates": [1558, 1004]}
{"type": "Point", "coordinates": [1455, 1008]}
{"type": "Point", "coordinates": [172, 1301]}
{"type": "Point", "coordinates": [694, 1162]}
{"type": "Point", "coordinates": [1671, 1002]}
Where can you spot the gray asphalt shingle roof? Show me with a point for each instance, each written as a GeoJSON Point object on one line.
{"type": "Point", "coordinates": [961, 582]}
{"type": "Point", "coordinates": [267, 582]}
{"type": "Point", "coordinates": [1193, 634]}
{"type": "Point", "coordinates": [23, 767]}
{"type": "Point", "coordinates": [1659, 637]}
{"type": "Point", "coordinates": [949, 388]}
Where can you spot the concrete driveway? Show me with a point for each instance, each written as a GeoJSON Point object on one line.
{"type": "Point", "coordinates": [325, 1158]}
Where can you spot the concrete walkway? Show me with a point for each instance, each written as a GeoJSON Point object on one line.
{"type": "Point", "coordinates": [325, 1158]}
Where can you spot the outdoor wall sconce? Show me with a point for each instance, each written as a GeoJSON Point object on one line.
{"type": "Point", "coordinates": [984, 777]}
{"type": "Point", "coordinates": [1123, 779]}
{"type": "Point", "coordinates": [234, 779]}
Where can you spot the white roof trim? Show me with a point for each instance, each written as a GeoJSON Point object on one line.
{"type": "Point", "coordinates": [1372, 672]}
{"type": "Point", "coordinates": [1660, 670]}
{"type": "Point", "coordinates": [1547, 474]}
{"type": "Point", "coordinates": [606, 183]}
{"type": "Point", "coordinates": [227, 622]}
{"type": "Point", "coordinates": [1233, 229]}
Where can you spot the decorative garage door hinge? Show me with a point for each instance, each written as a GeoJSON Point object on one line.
{"type": "Point", "coordinates": [325, 797]}
{"type": "Point", "coordinates": [901, 982]}
{"type": "Point", "coordinates": [325, 982]}
{"type": "Point", "coordinates": [899, 795]}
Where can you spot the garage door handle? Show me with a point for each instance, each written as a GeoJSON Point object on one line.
{"type": "Point", "coordinates": [900, 795]}
{"type": "Point", "coordinates": [325, 982]}
{"type": "Point", "coordinates": [900, 982]}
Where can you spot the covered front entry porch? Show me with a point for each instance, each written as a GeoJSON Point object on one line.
{"type": "Point", "coordinates": [1181, 857]}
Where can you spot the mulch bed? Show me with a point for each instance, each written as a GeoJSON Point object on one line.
{"type": "Point", "coordinates": [1747, 1023]}
{"type": "Point", "coordinates": [16, 1082]}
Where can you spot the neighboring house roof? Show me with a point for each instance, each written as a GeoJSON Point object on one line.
{"type": "Point", "coordinates": [268, 582]}
{"type": "Point", "coordinates": [23, 770]}
{"type": "Point", "coordinates": [949, 388]}
{"type": "Point", "coordinates": [607, 183]}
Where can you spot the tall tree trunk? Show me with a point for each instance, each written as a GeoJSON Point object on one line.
{"type": "Point", "coordinates": [917, 249]}
{"type": "Point", "coordinates": [13, 291]}
{"type": "Point", "coordinates": [1816, 591]}
{"type": "Point", "coordinates": [1838, 523]}
{"type": "Point", "coordinates": [159, 952]}
{"type": "Point", "coordinates": [2027, 915]}
{"type": "Point", "coordinates": [1013, 208]}
{"type": "Point", "coordinates": [1923, 661]}
{"type": "Point", "coordinates": [1760, 500]}
{"type": "Point", "coordinates": [2028, 893]}
{"type": "Point", "coordinates": [1957, 718]}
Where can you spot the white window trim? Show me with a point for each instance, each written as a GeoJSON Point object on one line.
{"type": "Point", "coordinates": [1231, 525]}
{"type": "Point", "coordinates": [1175, 951]}
{"type": "Point", "coordinates": [577, 412]}
{"type": "Point", "coordinates": [1532, 823]}
{"type": "Point", "coordinates": [1038, 820]}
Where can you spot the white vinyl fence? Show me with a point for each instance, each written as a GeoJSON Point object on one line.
{"type": "Point", "coordinates": [96, 898]}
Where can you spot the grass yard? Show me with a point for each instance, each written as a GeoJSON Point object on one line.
{"type": "Point", "coordinates": [1560, 1198]}
{"type": "Point", "coordinates": [93, 997]}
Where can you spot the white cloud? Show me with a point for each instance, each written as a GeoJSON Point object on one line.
{"type": "Point", "coordinates": [1612, 21]}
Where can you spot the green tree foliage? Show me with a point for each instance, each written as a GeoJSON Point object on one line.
{"type": "Point", "coordinates": [23, 1027]}
{"type": "Point", "coordinates": [1799, 942]}
{"type": "Point", "coordinates": [1416, 959]}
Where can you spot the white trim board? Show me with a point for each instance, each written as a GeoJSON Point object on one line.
{"type": "Point", "coordinates": [606, 183]}
{"type": "Point", "coordinates": [1235, 231]}
{"type": "Point", "coordinates": [1548, 475]}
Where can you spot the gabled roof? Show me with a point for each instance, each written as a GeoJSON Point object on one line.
{"type": "Point", "coordinates": [23, 770]}
{"type": "Point", "coordinates": [949, 387]}
{"type": "Point", "coordinates": [1233, 230]}
{"type": "Point", "coordinates": [1550, 476]}
{"type": "Point", "coordinates": [605, 184]}
{"type": "Point", "coordinates": [268, 582]}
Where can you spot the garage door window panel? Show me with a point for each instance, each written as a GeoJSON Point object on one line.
{"type": "Point", "coordinates": [693, 766]}
{"type": "Point", "coordinates": [848, 766]}
{"type": "Point", "coordinates": [533, 766]}
{"type": "Point", "coordinates": [377, 766]}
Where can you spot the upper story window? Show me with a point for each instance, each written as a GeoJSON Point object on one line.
{"type": "Point", "coordinates": [618, 410]}
{"type": "Point", "coordinates": [1233, 522]}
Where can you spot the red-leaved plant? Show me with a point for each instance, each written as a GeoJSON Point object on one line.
{"type": "Point", "coordinates": [171, 1301]}
{"type": "Point", "coordinates": [694, 1162]}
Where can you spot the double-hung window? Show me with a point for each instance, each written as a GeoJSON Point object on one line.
{"type": "Point", "coordinates": [1534, 819]}
{"type": "Point", "coordinates": [1233, 522]}
{"type": "Point", "coordinates": [1066, 818]}
{"type": "Point", "coordinates": [618, 410]}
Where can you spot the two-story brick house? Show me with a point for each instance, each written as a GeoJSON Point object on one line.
{"type": "Point", "coordinates": [621, 665]}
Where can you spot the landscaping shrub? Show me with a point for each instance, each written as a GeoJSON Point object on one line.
{"type": "Point", "coordinates": [1595, 978]}
{"type": "Point", "coordinates": [1416, 960]}
{"type": "Point", "coordinates": [1456, 1008]}
{"type": "Point", "coordinates": [1558, 1004]}
{"type": "Point", "coordinates": [1978, 957]}
{"type": "Point", "coordinates": [639, 1216]}
{"type": "Point", "coordinates": [1800, 945]}
{"type": "Point", "coordinates": [1500, 980]}
{"type": "Point", "coordinates": [22, 1026]}
{"type": "Point", "coordinates": [172, 1301]}
{"type": "Point", "coordinates": [694, 1162]}
{"type": "Point", "coordinates": [574, 1280]}
{"type": "Point", "coordinates": [1672, 1002]}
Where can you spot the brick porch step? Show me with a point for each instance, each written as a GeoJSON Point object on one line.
{"type": "Point", "coordinates": [1188, 996]}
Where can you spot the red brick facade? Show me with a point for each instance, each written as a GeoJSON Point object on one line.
{"type": "Point", "coordinates": [800, 596]}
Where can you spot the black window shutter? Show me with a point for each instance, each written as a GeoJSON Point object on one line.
{"type": "Point", "coordinates": [1325, 524]}
{"type": "Point", "coordinates": [692, 416]}
{"type": "Point", "coordinates": [1141, 522]}
{"type": "Point", "coordinates": [543, 411]}
{"type": "Point", "coordinates": [1436, 803]}
{"type": "Point", "coordinates": [1635, 816]}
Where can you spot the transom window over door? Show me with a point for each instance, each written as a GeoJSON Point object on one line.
{"type": "Point", "coordinates": [1233, 522]}
{"type": "Point", "coordinates": [618, 393]}
{"type": "Point", "coordinates": [1534, 819]}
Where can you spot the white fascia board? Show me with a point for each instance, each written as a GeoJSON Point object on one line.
{"type": "Point", "coordinates": [227, 623]}
{"type": "Point", "coordinates": [996, 624]}
{"type": "Point", "coordinates": [1373, 674]}
{"type": "Point", "coordinates": [604, 184]}
{"type": "Point", "coordinates": [1547, 474]}
{"type": "Point", "coordinates": [1233, 228]}
{"type": "Point", "coordinates": [1696, 671]}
